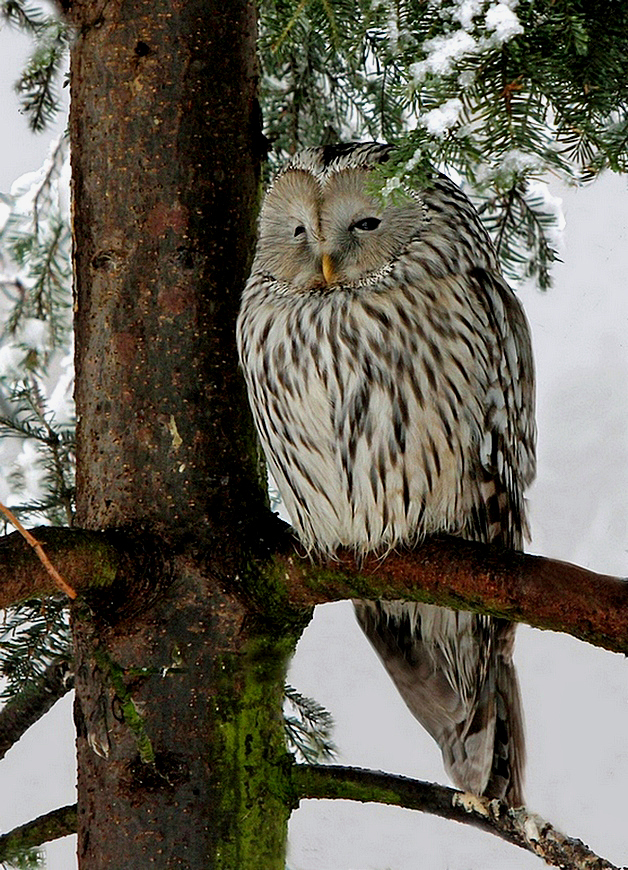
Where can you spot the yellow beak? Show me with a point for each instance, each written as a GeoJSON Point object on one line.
{"type": "Point", "coordinates": [328, 269]}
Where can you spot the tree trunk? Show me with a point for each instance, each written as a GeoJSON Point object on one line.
{"type": "Point", "coordinates": [165, 164]}
{"type": "Point", "coordinates": [182, 761]}
{"type": "Point", "coordinates": [180, 745]}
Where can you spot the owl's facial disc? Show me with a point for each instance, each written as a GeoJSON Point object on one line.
{"type": "Point", "coordinates": [330, 232]}
{"type": "Point", "coordinates": [344, 240]}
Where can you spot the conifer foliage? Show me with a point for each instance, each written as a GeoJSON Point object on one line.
{"type": "Point", "coordinates": [38, 84]}
{"type": "Point", "coordinates": [501, 94]}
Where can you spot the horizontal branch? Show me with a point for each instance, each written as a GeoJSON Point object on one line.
{"type": "Point", "coordinates": [27, 707]}
{"type": "Point", "coordinates": [41, 553]}
{"type": "Point", "coordinates": [515, 825]}
{"type": "Point", "coordinates": [51, 826]}
{"type": "Point", "coordinates": [449, 571]}
{"type": "Point", "coordinates": [463, 575]}
{"type": "Point", "coordinates": [87, 559]}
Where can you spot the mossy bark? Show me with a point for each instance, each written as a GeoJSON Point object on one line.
{"type": "Point", "coordinates": [180, 744]}
{"type": "Point", "coordinates": [182, 759]}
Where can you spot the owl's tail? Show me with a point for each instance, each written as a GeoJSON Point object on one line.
{"type": "Point", "coordinates": [509, 753]}
{"type": "Point", "coordinates": [454, 670]}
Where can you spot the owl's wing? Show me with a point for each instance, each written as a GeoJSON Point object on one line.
{"type": "Point", "coordinates": [454, 670]}
{"type": "Point", "coordinates": [454, 240]}
{"type": "Point", "coordinates": [507, 451]}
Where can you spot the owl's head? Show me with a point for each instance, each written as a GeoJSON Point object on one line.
{"type": "Point", "coordinates": [320, 226]}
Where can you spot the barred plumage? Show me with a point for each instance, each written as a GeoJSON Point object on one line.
{"type": "Point", "coordinates": [390, 375]}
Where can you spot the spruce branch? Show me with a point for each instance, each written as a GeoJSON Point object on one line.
{"type": "Point", "coordinates": [44, 293]}
{"type": "Point", "coordinates": [516, 825]}
{"type": "Point", "coordinates": [43, 200]}
{"type": "Point", "coordinates": [23, 16]}
{"type": "Point", "coordinates": [26, 859]}
{"type": "Point", "coordinates": [35, 636]}
{"type": "Point", "coordinates": [25, 708]}
{"type": "Point", "coordinates": [36, 250]}
{"type": "Point", "coordinates": [37, 86]}
{"type": "Point", "coordinates": [308, 727]}
{"type": "Point", "coordinates": [519, 229]}
{"type": "Point", "coordinates": [288, 26]}
{"type": "Point", "coordinates": [51, 826]}
{"type": "Point", "coordinates": [30, 420]}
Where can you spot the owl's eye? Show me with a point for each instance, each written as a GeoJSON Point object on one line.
{"type": "Point", "coordinates": [299, 231]}
{"type": "Point", "coordinates": [369, 223]}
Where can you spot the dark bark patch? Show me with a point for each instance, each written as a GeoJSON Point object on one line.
{"type": "Point", "coordinates": [168, 771]}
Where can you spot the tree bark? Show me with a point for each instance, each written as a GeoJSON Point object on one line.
{"type": "Point", "coordinates": [180, 745]}
{"type": "Point", "coordinates": [165, 168]}
{"type": "Point", "coordinates": [182, 761]}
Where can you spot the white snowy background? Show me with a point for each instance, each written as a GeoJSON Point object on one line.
{"type": "Point", "coordinates": [576, 697]}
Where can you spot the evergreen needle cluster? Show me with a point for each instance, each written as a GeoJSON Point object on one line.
{"type": "Point", "coordinates": [497, 93]}
{"type": "Point", "coordinates": [501, 95]}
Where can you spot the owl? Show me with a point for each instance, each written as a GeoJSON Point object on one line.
{"type": "Point", "coordinates": [390, 375]}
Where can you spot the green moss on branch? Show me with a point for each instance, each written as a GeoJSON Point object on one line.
{"type": "Point", "coordinates": [51, 826]}
{"type": "Point", "coordinates": [463, 575]}
{"type": "Point", "coordinates": [516, 825]}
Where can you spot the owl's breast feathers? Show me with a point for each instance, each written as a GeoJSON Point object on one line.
{"type": "Point", "coordinates": [373, 404]}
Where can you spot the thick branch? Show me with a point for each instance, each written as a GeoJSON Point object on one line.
{"type": "Point", "coordinates": [516, 825]}
{"type": "Point", "coordinates": [114, 567]}
{"type": "Point", "coordinates": [26, 708]}
{"type": "Point", "coordinates": [51, 826]}
{"type": "Point", "coordinates": [541, 592]}
{"type": "Point", "coordinates": [90, 559]}
{"type": "Point", "coordinates": [41, 553]}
